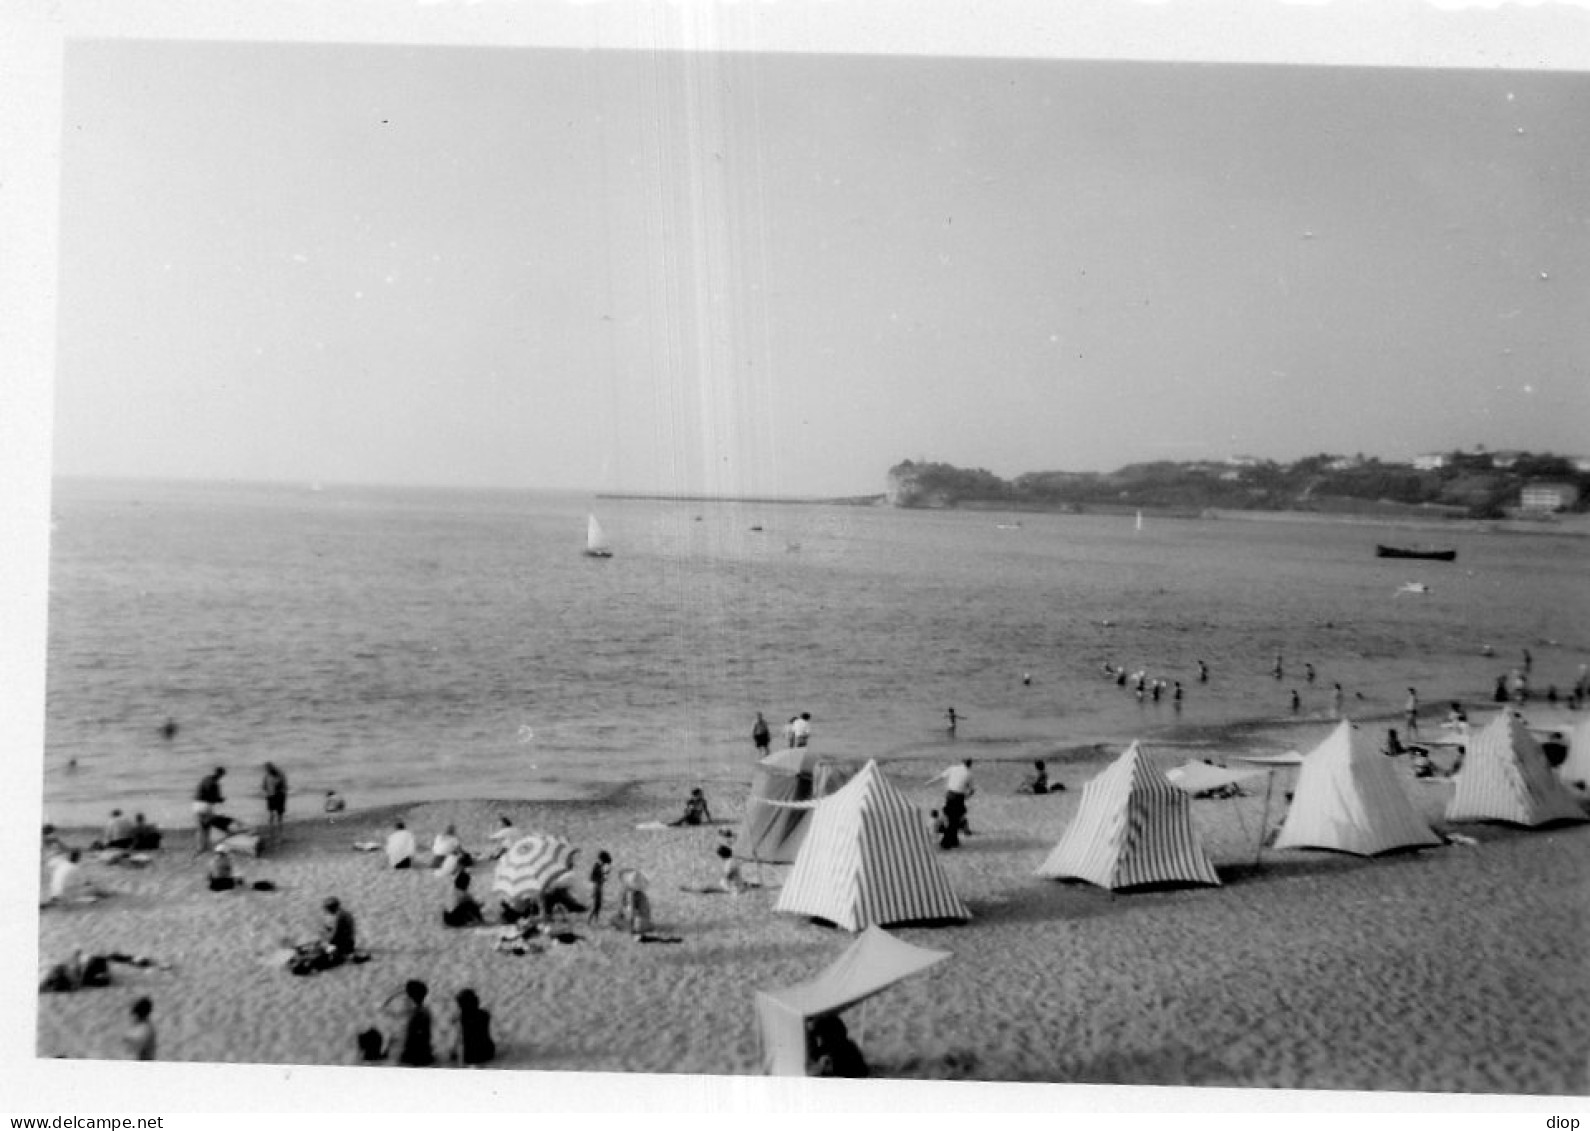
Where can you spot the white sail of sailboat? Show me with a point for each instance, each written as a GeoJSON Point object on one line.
{"type": "Point", "coordinates": [595, 541]}
{"type": "Point", "coordinates": [1140, 520]}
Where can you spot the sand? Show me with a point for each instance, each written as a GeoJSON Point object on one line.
{"type": "Point", "coordinates": [1454, 969]}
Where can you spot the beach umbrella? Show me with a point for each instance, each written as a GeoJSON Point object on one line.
{"type": "Point", "coordinates": [532, 864]}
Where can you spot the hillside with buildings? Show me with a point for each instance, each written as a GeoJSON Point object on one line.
{"type": "Point", "coordinates": [1474, 484]}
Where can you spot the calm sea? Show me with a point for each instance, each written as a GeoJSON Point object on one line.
{"type": "Point", "coordinates": [396, 644]}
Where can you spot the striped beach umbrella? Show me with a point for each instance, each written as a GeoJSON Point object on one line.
{"type": "Point", "coordinates": [532, 864]}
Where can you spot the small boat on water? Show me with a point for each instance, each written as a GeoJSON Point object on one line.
{"type": "Point", "coordinates": [1422, 553]}
{"type": "Point", "coordinates": [595, 541]}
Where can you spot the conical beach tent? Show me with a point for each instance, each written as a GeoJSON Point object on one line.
{"type": "Point", "coordinates": [1132, 827]}
{"type": "Point", "coordinates": [868, 859]}
{"type": "Point", "coordinates": [775, 819]}
{"type": "Point", "coordinates": [874, 962]}
{"type": "Point", "coordinates": [1348, 799]}
{"type": "Point", "coordinates": [1575, 769]}
{"type": "Point", "coordinates": [1505, 777]}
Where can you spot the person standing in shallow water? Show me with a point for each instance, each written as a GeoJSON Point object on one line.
{"type": "Point", "coordinates": [761, 736]}
{"type": "Point", "coordinates": [274, 786]}
{"type": "Point", "coordinates": [1336, 700]}
{"type": "Point", "coordinates": [1410, 714]}
{"type": "Point", "coordinates": [205, 799]}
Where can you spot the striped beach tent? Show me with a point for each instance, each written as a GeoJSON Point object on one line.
{"type": "Point", "coordinates": [1505, 777]}
{"type": "Point", "coordinates": [867, 859]}
{"type": "Point", "coordinates": [1348, 799]}
{"type": "Point", "coordinates": [1132, 827]}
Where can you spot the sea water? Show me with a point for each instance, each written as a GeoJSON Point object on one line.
{"type": "Point", "coordinates": [399, 644]}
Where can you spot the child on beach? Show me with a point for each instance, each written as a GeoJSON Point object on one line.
{"type": "Point", "coordinates": [334, 802]}
{"type": "Point", "coordinates": [1039, 782]}
{"type": "Point", "coordinates": [635, 908]}
{"type": "Point", "coordinates": [732, 880]}
{"type": "Point", "coordinates": [139, 1039]}
{"type": "Point", "coordinates": [599, 873]}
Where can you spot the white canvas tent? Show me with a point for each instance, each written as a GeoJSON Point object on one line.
{"type": "Point", "coordinates": [1505, 777]}
{"type": "Point", "coordinates": [871, 964]}
{"type": "Point", "coordinates": [1575, 769]}
{"type": "Point", "coordinates": [1132, 827]}
{"type": "Point", "coordinates": [1348, 799]}
{"type": "Point", "coordinates": [867, 859]}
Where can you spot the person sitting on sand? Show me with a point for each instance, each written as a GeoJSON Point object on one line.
{"type": "Point", "coordinates": [635, 907]}
{"type": "Point", "coordinates": [599, 874]}
{"type": "Point", "coordinates": [400, 846]}
{"type": "Point", "coordinates": [69, 883]}
{"type": "Point", "coordinates": [557, 896]}
{"type": "Point", "coordinates": [139, 1039]}
{"type": "Point", "coordinates": [696, 811]}
{"type": "Point", "coordinates": [830, 1050]}
{"type": "Point", "coordinates": [505, 836]}
{"type": "Point", "coordinates": [472, 1044]}
{"type": "Point", "coordinates": [118, 831]}
{"type": "Point", "coordinates": [334, 802]}
{"type": "Point", "coordinates": [338, 933]}
{"type": "Point", "coordinates": [145, 837]}
{"type": "Point", "coordinates": [1039, 782]}
{"type": "Point", "coordinates": [412, 1036]}
{"type": "Point", "coordinates": [52, 846]}
{"type": "Point", "coordinates": [462, 910]}
{"type": "Point", "coordinates": [221, 877]}
{"type": "Point", "coordinates": [447, 844]}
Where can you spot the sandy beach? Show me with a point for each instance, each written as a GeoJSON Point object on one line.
{"type": "Point", "coordinates": [1452, 969]}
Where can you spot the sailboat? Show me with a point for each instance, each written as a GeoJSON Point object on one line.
{"type": "Point", "coordinates": [595, 541]}
{"type": "Point", "coordinates": [1139, 520]}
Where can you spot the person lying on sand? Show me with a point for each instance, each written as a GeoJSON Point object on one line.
{"type": "Point", "coordinates": [732, 880]}
{"type": "Point", "coordinates": [85, 971]}
{"type": "Point", "coordinates": [696, 811]}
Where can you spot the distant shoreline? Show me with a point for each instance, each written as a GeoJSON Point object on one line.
{"type": "Point", "coordinates": [845, 501]}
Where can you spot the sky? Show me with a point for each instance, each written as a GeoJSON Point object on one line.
{"type": "Point", "coordinates": [782, 273]}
